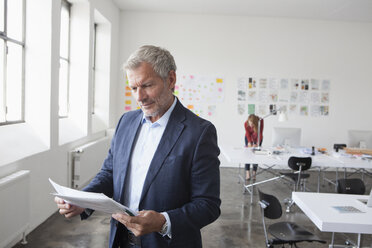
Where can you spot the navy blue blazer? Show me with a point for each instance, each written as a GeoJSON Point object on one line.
{"type": "Point", "coordinates": [183, 178]}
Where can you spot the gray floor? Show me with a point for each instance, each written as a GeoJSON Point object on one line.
{"type": "Point", "coordinates": [239, 225]}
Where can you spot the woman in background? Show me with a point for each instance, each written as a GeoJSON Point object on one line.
{"type": "Point", "coordinates": [251, 140]}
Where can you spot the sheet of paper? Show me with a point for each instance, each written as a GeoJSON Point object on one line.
{"type": "Point", "coordinates": [96, 201]}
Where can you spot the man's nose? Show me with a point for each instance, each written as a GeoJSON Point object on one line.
{"type": "Point", "coordinates": [141, 94]}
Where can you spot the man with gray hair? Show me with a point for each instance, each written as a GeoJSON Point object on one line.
{"type": "Point", "coordinates": [163, 162]}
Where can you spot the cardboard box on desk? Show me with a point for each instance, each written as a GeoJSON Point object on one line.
{"type": "Point", "coordinates": [358, 151]}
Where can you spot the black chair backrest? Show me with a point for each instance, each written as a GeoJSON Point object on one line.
{"type": "Point", "coordinates": [351, 186]}
{"type": "Point", "coordinates": [295, 162]}
{"type": "Point", "coordinates": [273, 209]}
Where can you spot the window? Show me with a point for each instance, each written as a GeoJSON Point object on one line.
{"type": "Point", "coordinates": [94, 67]}
{"type": "Point", "coordinates": [64, 60]}
{"type": "Point", "coordinates": [12, 23]}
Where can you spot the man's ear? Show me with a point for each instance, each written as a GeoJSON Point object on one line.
{"type": "Point", "coordinates": [172, 79]}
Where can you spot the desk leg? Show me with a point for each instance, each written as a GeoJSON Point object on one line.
{"type": "Point", "coordinates": [252, 194]}
{"type": "Point", "coordinates": [359, 239]}
{"type": "Point", "coordinates": [319, 171]}
{"type": "Point", "coordinates": [336, 179]}
{"type": "Point", "coordinates": [239, 174]}
{"type": "Point", "coordinates": [333, 240]}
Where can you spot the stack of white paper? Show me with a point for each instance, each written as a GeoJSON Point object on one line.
{"type": "Point", "coordinates": [95, 201]}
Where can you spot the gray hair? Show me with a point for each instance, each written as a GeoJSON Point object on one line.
{"type": "Point", "coordinates": [159, 58]}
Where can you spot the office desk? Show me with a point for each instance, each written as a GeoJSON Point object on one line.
{"type": "Point", "coordinates": [320, 162]}
{"type": "Point", "coordinates": [318, 207]}
{"type": "Point", "coordinates": [245, 155]}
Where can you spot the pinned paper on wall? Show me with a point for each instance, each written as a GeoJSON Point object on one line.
{"type": "Point", "coordinates": [283, 95]}
{"type": "Point", "coordinates": [263, 83]}
{"type": "Point", "coordinates": [326, 85]}
{"type": "Point", "coordinates": [314, 84]}
{"type": "Point", "coordinates": [241, 95]}
{"type": "Point", "coordinates": [325, 97]}
{"type": "Point", "coordinates": [303, 97]}
{"type": "Point", "coordinates": [241, 109]}
{"type": "Point", "coordinates": [304, 110]}
{"type": "Point", "coordinates": [211, 110]}
{"type": "Point", "coordinates": [273, 96]}
{"type": "Point", "coordinates": [252, 83]}
{"type": "Point", "coordinates": [292, 109]}
{"type": "Point", "coordinates": [263, 96]}
{"type": "Point", "coordinates": [284, 84]}
{"type": "Point", "coordinates": [262, 110]}
{"type": "Point", "coordinates": [315, 110]}
{"type": "Point", "coordinates": [252, 96]}
{"type": "Point", "coordinates": [251, 109]}
{"type": "Point", "coordinates": [305, 84]}
{"type": "Point", "coordinates": [324, 110]}
{"type": "Point", "coordinates": [294, 96]}
{"type": "Point", "coordinates": [295, 84]}
{"type": "Point", "coordinates": [273, 83]}
{"type": "Point", "coordinates": [315, 97]}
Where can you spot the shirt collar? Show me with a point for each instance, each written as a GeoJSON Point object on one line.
{"type": "Point", "coordinates": [164, 119]}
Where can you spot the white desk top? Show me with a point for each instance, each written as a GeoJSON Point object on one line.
{"type": "Point", "coordinates": [318, 207]}
{"type": "Point", "coordinates": [244, 155]}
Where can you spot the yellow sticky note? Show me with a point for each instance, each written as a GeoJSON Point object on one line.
{"type": "Point", "coordinates": [190, 106]}
{"type": "Point", "coordinates": [128, 102]}
{"type": "Point", "coordinates": [128, 94]}
{"type": "Point", "coordinates": [219, 80]}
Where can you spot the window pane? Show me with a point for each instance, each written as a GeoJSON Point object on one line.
{"type": "Point", "coordinates": [64, 39]}
{"type": "Point", "coordinates": [1, 15]}
{"type": "Point", "coordinates": [63, 88]}
{"type": "Point", "coordinates": [14, 88]}
{"type": "Point", "coordinates": [2, 106]}
{"type": "Point", "coordinates": [15, 19]}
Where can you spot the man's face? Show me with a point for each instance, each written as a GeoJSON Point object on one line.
{"type": "Point", "coordinates": [152, 94]}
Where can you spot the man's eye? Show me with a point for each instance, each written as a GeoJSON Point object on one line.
{"type": "Point", "coordinates": [134, 88]}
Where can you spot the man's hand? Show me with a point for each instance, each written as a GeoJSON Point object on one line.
{"type": "Point", "coordinates": [66, 209]}
{"type": "Point", "coordinates": [145, 222]}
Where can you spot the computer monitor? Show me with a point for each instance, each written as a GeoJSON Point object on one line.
{"type": "Point", "coordinates": [283, 136]}
{"type": "Point", "coordinates": [360, 139]}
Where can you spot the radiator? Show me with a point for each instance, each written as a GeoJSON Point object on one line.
{"type": "Point", "coordinates": [14, 207]}
{"type": "Point", "coordinates": [87, 160]}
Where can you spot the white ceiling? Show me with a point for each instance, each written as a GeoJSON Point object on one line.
{"type": "Point", "coordinates": [338, 10]}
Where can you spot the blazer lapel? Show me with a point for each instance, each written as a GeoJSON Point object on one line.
{"type": "Point", "coordinates": [171, 134]}
{"type": "Point", "coordinates": [130, 139]}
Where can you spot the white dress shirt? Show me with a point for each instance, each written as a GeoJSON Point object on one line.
{"type": "Point", "coordinates": [146, 144]}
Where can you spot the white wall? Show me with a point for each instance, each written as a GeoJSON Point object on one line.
{"type": "Point", "coordinates": [266, 47]}
{"type": "Point", "coordinates": [52, 159]}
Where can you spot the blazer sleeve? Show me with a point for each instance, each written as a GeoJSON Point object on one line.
{"type": "Point", "coordinates": [204, 206]}
{"type": "Point", "coordinates": [103, 181]}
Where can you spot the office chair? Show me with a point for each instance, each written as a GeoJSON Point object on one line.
{"type": "Point", "coordinates": [283, 232]}
{"type": "Point", "coordinates": [351, 186]}
{"type": "Point", "coordinates": [298, 165]}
